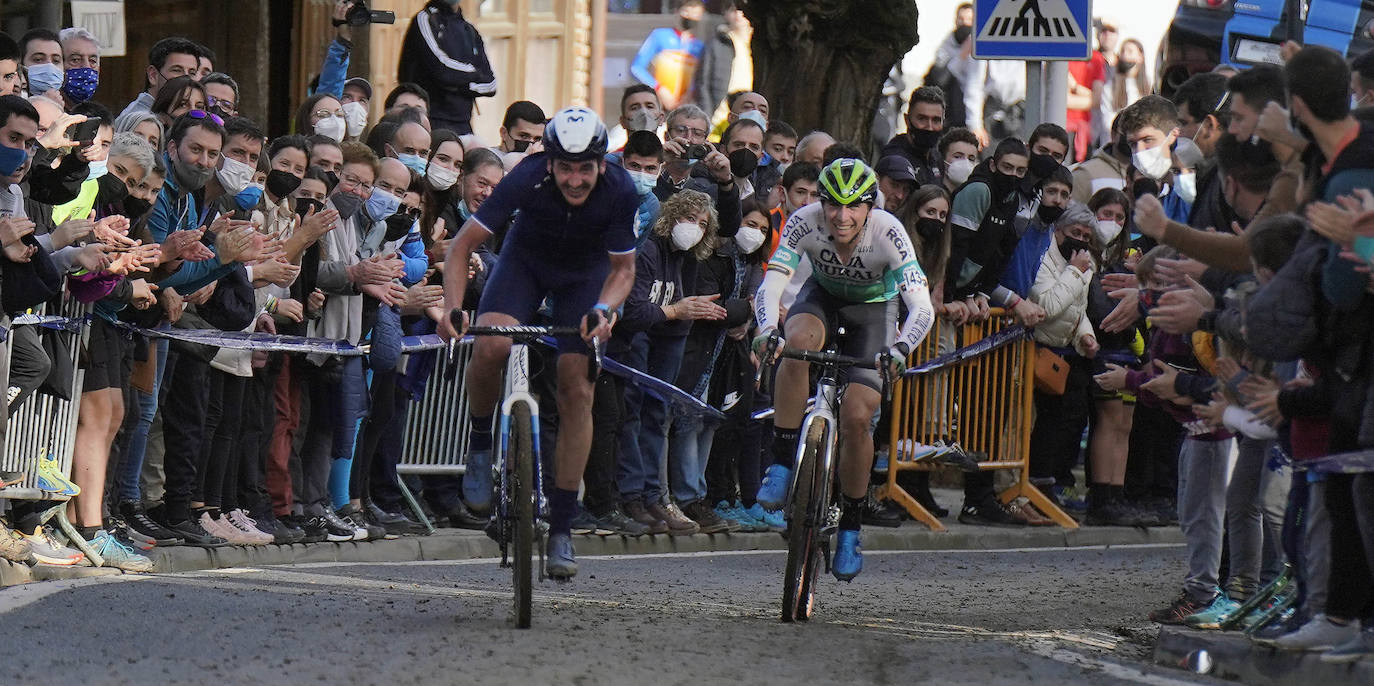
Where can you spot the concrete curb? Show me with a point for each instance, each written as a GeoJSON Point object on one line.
{"type": "Point", "coordinates": [456, 544]}
{"type": "Point", "coordinates": [1234, 657]}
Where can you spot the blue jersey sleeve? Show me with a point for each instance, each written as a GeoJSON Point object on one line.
{"type": "Point", "coordinates": [620, 229]}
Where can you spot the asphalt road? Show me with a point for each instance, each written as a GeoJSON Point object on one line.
{"type": "Point", "coordinates": [1062, 616]}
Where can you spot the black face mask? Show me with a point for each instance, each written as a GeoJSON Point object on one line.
{"type": "Point", "coordinates": [743, 163]}
{"type": "Point", "coordinates": [110, 190]}
{"type": "Point", "coordinates": [520, 146]}
{"type": "Point", "coordinates": [398, 225]}
{"type": "Point", "coordinates": [1042, 166]}
{"type": "Point", "coordinates": [922, 139]}
{"type": "Point", "coordinates": [282, 183]}
{"type": "Point", "coordinates": [1124, 67]}
{"type": "Point", "coordinates": [1144, 186]}
{"type": "Point", "coordinates": [135, 208]}
{"type": "Point", "coordinates": [332, 178]}
{"type": "Point", "coordinates": [1069, 246]}
{"type": "Point", "coordinates": [961, 34]}
{"type": "Point", "coordinates": [1002, 185]}
{"type": "Point", "coordinates": [304, 205]}
{"type": "Point", "coordinates": [1049, 214]}
{"type": "Point", "coordinates": [689, 24]}
{"type": "Point", "coordinates": [929, 229]}
{"type": "Point", "coordinates": [347, 204]}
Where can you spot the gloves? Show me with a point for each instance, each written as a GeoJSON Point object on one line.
{"type": "Point", "coordinates": [760, 342]}
{"type": "Point", "coordinates": [899, 352]}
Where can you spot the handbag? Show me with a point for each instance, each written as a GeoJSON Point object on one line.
{"type": "Point", "coordinates": [1051, 372]}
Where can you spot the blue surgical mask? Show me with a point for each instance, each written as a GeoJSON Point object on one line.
{"type": "Point", "coordinates": [45, 77]}
{"type": "Point", "coordinates": [381, 205]}
{"type": "Point", "coordinates": [414, 162]}
{"type": "Point", "coordinates": [97, 169]}
{"type": "Point", "coordinates": [11, 159]}
{"type": "Point", "coordinates": [249, 197]}
{"type": "Point", "coordinates": [463, 212]}
{"type": "Point", "coordinates": [80, 83]}
{"type": "Point", "coordinates": [644, 182]}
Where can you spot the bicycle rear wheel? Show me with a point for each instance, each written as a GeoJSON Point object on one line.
{"type": "Point", "coordinates": [802, 556]}
{"type": "Point", "coordinates": [521, 464]}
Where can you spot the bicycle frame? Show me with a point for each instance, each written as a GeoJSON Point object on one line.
{"type": "Point", "coordinates": [517, 390]}
{"type": "Point", "coordinates": [823, 407]}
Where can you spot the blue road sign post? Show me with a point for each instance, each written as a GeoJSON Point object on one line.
{"type": "Point", "coordinates": [1042, 30]}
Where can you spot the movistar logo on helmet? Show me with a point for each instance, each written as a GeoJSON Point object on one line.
{"type": "Point", "coordinates": [575, 133]}
{"type": "Point", "coordinates": [847, 181]}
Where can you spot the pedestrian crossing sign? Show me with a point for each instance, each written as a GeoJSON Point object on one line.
{"type": "Point", "coordinates": [1032, 29]}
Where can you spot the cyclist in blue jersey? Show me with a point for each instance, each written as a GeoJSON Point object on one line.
{"type": "Point", "coordinates": [572, 242]}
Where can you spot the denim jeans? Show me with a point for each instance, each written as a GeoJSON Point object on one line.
{"type": "Point", "coordinates": [1204, 468]}
{"type": "Point", "coordinates": [689, 449]}
{"type": "Point", "coordinates": [645, 430]}
{"type": "Point", "coordinates": [131, 467]}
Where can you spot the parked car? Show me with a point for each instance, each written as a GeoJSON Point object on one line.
{"type": "Point", "coordinates": [1241, 33]}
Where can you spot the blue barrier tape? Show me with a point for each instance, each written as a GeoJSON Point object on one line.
{"type": "Point", "coordinates": [1001, 339]}
{"type": "Point", "coordinates": [1358, 462]}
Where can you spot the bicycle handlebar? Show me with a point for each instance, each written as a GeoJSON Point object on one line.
{"type": "Point", "coordinates": [525, 333]}
{"type": "Point", "coordinates": [827, 357]}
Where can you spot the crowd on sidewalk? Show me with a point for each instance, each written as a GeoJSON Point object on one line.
{"type": "Point", "coordinates": [1201, 279]}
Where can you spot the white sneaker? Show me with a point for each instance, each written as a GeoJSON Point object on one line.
{"type": "Point", "coordinates": [223, 529]}
{"type": "Point", "coordinates": [241, 521]}
{"type": "Point", "coordinates": [1318, 635]}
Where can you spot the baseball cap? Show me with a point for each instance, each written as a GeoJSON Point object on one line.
{"type": "Point", "coordinates": [897, 168]}
{"type": "Point", "coordinates": [362, 83]}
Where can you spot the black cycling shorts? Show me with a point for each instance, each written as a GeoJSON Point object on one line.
{"type": "Point", "coordinates": [869, 328]}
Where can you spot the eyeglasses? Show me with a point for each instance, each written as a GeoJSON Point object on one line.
{"type": "Point", "coordinates": [350, 182]}
{"type": "Point", "coordinates": [684, 131]}
{"type": "Point", "coordinates": [321, 114]}
{"type": "Point", "coordinates": [226, 105]}
{"type": "Point", "coordinates": [202, 114]}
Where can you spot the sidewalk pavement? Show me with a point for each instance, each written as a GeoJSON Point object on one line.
{"type": "Point", "coordinates": [1230, 655]}
{"type": "Point", "coordinates": [458, 544]}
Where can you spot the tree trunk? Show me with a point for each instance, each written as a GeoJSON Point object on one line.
{"type": "Point", "coordinates": [822, 63]}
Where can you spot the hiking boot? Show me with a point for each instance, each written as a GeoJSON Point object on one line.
{"type": "Point", "coordinates": [192, 532]}
{"type": "Point", "coordinates": [849, 556]}
{"type": "Point", "coordinates": [617, 522]}
{"type": "Point", "coordinates": [115, 554]}
{"type": "Point", "coordinates": [13, 547]}
{"type": "Point", "coordinates": [773, 491]}
{"type": "Point", "coordinates": [137, 519]}
{"type": "Point", "coordinates": [477, 481]}
{"type": "Point", "coordinates": [988, 513]}
{"type": "Point", "coordinates": [560, 562]}
{"type": "Point", "coordinates": [1181, 607]}
{"type": "Point", "coordinates": [707, 520]}
{"type": "Point", "coordinates": [47, 550]}
{"type": "Point", "coordinates": [1213, 615]}
{"type": "Point", "coordinates": [678, 523]}
{"type": "Point", "coordinates": [1319, 635]}
{"type": "Point", "coordinates": [879, 512]}
{"type": "Point", "coordinates": [637, 511]}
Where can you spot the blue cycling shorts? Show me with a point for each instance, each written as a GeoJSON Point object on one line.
{"type": "Point", "coordinates": [519, 284]}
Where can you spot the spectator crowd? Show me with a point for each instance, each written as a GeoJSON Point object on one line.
{"type": "Point", "coordinates": [1198, 265]}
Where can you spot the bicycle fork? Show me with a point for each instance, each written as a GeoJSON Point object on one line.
{"type": "Point", "coordinates": [821, 510]}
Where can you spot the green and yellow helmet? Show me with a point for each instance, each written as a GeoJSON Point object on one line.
{"type": "Point", "coordinates": [847, 181]}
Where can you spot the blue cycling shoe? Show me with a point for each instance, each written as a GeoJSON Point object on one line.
{"type": "Point", "coordinates": [849, 556]}
{"type": "Point", "coordinates": [477, 481]}
{"type": "Point", "coordinates": [773, 492]}
{"type": "Point", "coordinates": [559, 562]}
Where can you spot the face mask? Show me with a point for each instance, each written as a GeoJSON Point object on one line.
{"type": "Point", "coordinates": [192, 177]}
{"type": "Point", "coordinates": [355, 118]}
{"type": "Point", "coordinates": [234, 175]}
{"type": "Point", "coordinates": [1049, 214]}
{"type": "Point", "coordinates": [1069, 246]}
{"type": "Point", "coordinates": [748, 239]}
{"type": "Point", "coordinates": [743, 163]}
{"type": "Point", "coordinates": [97, 169]}
{"type": "Point", "coordinates": [45, 77]}
{"type": "Point", "coordinates": [282, 183]}
{"type": "Point", "coordinates": [81, 83]}
{"type": "Point", "coordinates": [463, 212]}
{"type": "Point", "coordinates": [960, 169]}
{"type": "Point", "coordinates": [347, 204]}
{"type": "Point", "coordinates": [332, 128]}
{"type": "Point", "coordinates": [1002, 184]}
{"type": "Point", "coordinates": [929, 229]}
{"type": "Point", "coordinates": [961, 34]}
{"type": "Point", "coordinates": [249, 197]}
{"type": "Point", "coordinates": [1153, 162]}
{"type": "Point", "coordinates": [519, 146]}
{"type": "Point", "coordinates": [756, 117]}
{"type": "Point", "coordinates": [1042, 166]}
{"type": "Point", "coordinates": [397, 226]}
{"type": "Point", "coordinates": [414, 163]}
{"type": "Point", "coordinates": [643, 120]}
{"type": "Point", "coordinates": [782, 167]}
{"type": "Point", "coordinates": [381, 205]}
{"type": "Point", "coordinates": [689, 24]}
{"type": "Point", "coordinates": [11, 159]}
{"type": "Point", "coordinates": [922, 139]}
{"type": "Point", "coordinates": [440, 178]}
{"type": "Point", "coordinates": [305, 205]}
{"type": "Point", "coordinates": [135, 208]}
{"type": "Point", "coordinates": [1107, 230]}
{"type": "Point", "coordinates": [1186, 184]}
{"type": "Point", "coordinates": [644, 182]}
{"type": "Point", "coordinates": [332, 178]}
{"type": "Point", "coordinates": [1124, 67]}
{"type": "Point", "coordinates": [111, 189]}
{"type": "Point", "coordinates": [687, 234]}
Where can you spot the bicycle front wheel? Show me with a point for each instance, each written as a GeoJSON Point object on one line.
{"type": "Point", "coordinates": [521, 461]}
{"type": "Point", "coordinates": [802, 530]}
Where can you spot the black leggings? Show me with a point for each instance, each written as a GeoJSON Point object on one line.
{"type": "Point", "coordinates": [1350, 504]}
{"type": "Point", "coordinates": [226, 455]}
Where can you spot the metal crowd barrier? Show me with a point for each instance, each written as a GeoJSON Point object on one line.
{"type": "Point", "coordinates": [984, 403]}
{"type": "Point", "coordinates": [436, 430]}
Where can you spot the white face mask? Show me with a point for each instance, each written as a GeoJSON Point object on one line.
{"type": "Point", "coordinates": [644, 182]}
{"type": "Point", "coordinates": [1186, 184]}
{"type": "Point", "coordinates": [332, 128]}
{"type": "Point", "coordinates": [748, 239]}
{"type": "Point", "coordinates": [355, 115]}
{"type": "Point", "coordinates": [235, 176]}
{"type": "Point", "coordinates": [1153, 162]}
{"type": "Point", "coordinates": [960, 169]}
{"type": "Point", "coordinates": [1107, 230]}
{"type": "Point", "coordinates": [440, 178]}
{"type": "Point", "coordinates": [687, 234]}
